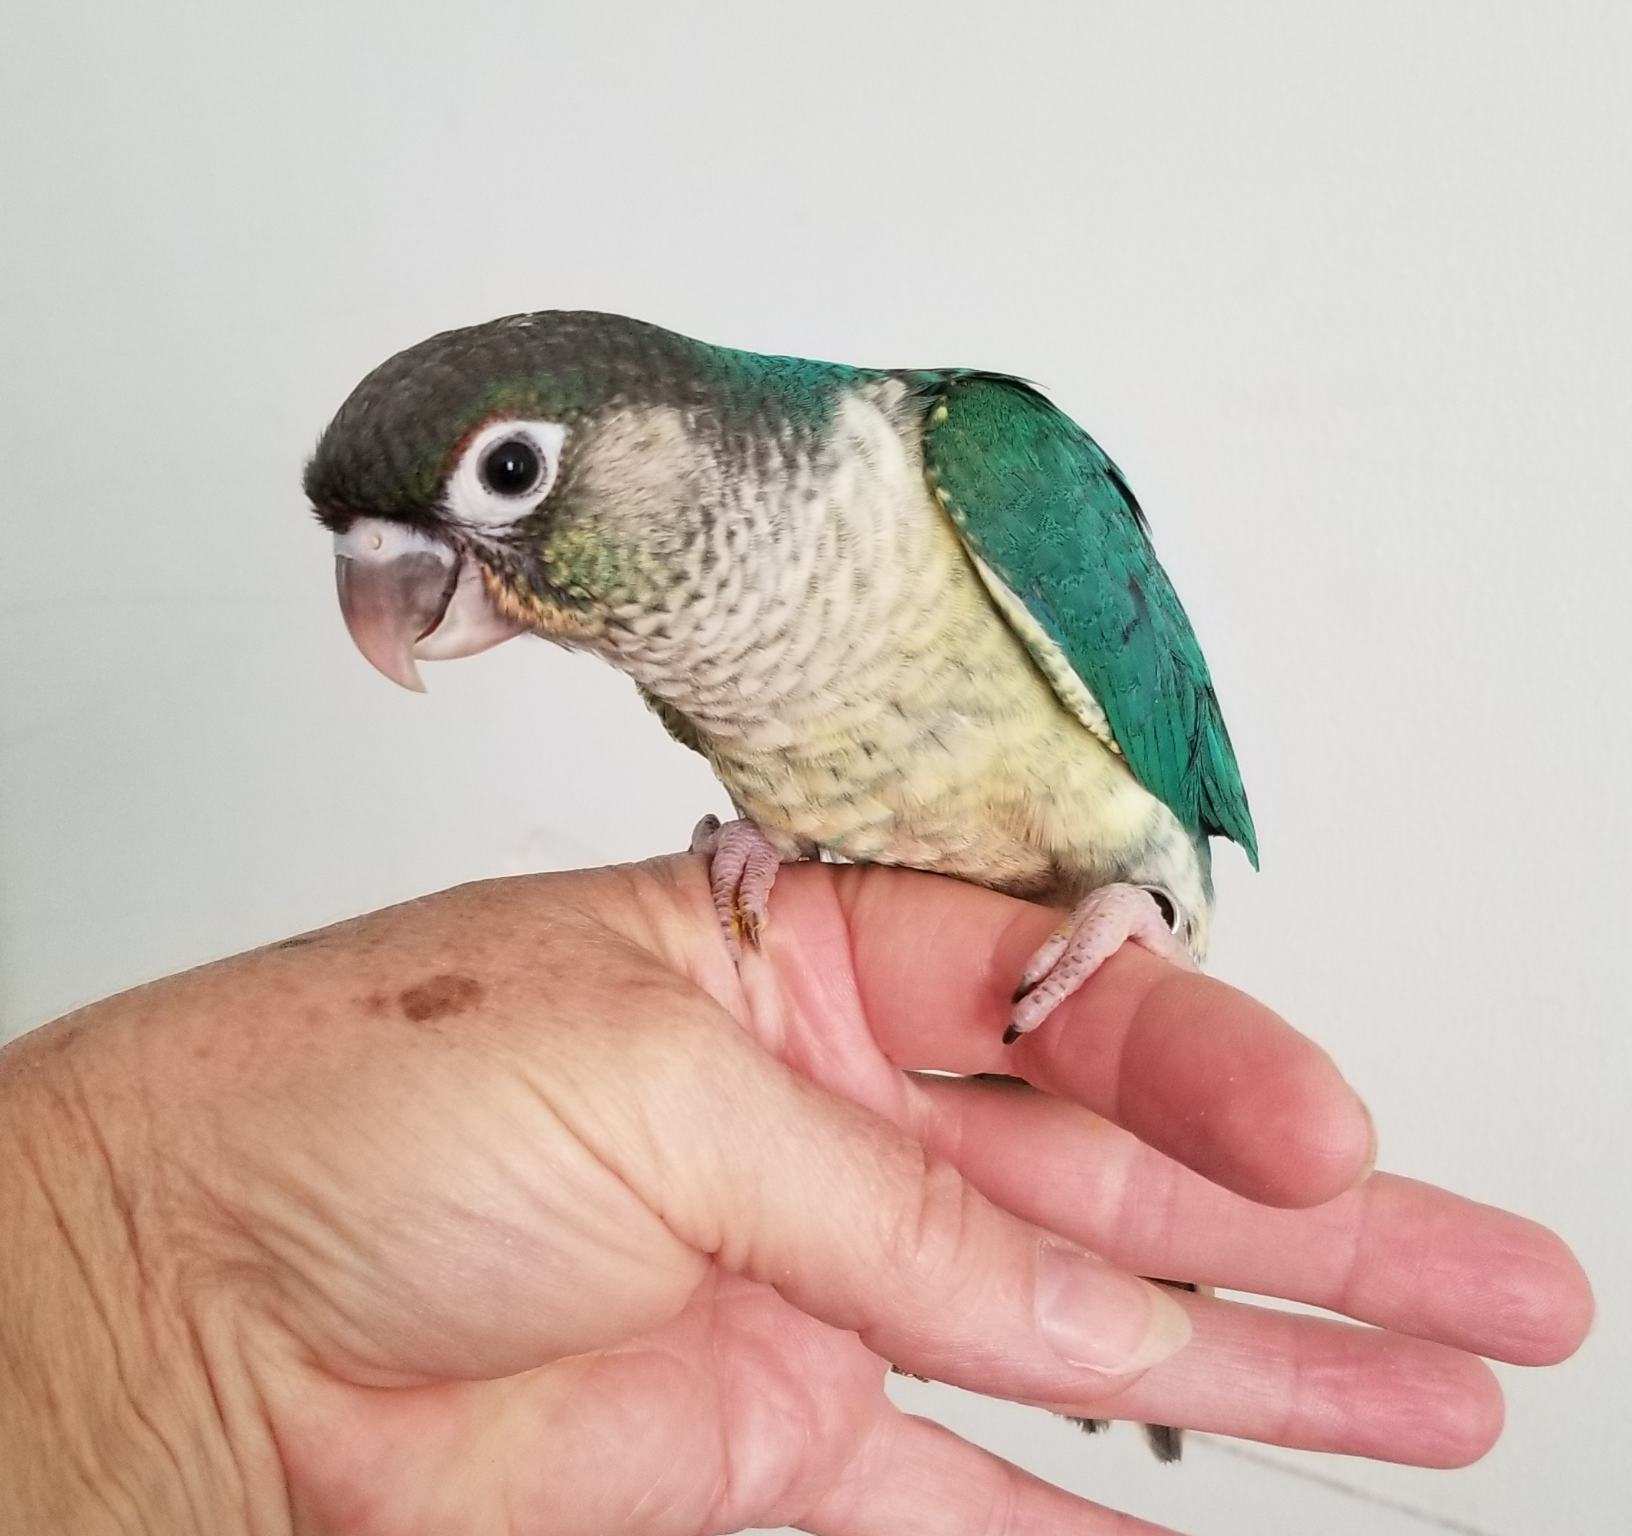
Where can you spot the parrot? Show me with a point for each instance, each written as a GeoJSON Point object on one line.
{"type": "Point", "coordinates": [910, 616]}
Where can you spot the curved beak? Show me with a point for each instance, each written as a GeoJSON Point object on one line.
{"type": "Point", "coordinates": [407, 597]}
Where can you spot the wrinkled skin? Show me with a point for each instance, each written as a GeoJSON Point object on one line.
{"type": "Point", "coordinates": [517, 1209]}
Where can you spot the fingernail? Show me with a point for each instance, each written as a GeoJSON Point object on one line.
{"type": "Point", "coordinates": [1096, 1316]}
{"type": "Point", "coordinates": [1371, 1148]}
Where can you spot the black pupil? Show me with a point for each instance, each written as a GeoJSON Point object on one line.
{"type": "Point", "coordinates": [512, 467]}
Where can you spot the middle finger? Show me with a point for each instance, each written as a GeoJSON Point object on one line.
{"type": "Point", "coordinates": [1394, 1252]}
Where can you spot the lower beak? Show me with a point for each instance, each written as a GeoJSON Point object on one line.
{"type": "Point", "coordinates": [407, 597]}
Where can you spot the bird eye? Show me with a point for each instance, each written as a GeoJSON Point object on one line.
{"type": "Point", "coordinates": [505, 473]}
{"type": "Point", "coordinates": [512, 467]}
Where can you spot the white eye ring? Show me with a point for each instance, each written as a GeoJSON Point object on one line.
{"type": "Point", "coordinates": [473, 497]}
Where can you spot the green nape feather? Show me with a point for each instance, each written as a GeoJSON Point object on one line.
{"type": "Point", "coordinates": [1035, 498]}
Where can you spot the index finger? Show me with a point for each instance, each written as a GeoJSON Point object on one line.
{"type": "Point", "coordinates": [1187, 1063]}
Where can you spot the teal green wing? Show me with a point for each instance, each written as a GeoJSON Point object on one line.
{"type": "Point", "coordinates": [1049, 516]}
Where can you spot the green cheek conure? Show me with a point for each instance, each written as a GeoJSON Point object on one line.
{"type": "Point", "coordinates": [910, 616]}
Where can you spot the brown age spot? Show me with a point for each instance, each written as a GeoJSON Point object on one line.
{"type": "Point", "coordinates": [438, 997]}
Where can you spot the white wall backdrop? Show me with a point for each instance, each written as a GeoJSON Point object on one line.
{"type": "Point", "coordinates": [1343, 288]}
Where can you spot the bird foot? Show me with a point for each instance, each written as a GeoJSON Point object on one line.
{"type": "Point", "coordinates": [742, 866]}
{"type": "Point", "coordinates": [1099, 926]}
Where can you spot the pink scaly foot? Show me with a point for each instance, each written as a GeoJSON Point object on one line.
{"type": "Point", "coordinates": [742, 868]}
{"type": "Point", "coordinates": [1099, 926]}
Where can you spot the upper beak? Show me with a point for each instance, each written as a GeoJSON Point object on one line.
{"type": "Point", "coordinates": [406, 597]}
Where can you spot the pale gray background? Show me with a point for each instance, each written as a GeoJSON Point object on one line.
{"type": "Point", "coordinates": [1344, 290]}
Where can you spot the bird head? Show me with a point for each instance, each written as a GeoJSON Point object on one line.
{"type": "Point", "coordinates": [535, 473]}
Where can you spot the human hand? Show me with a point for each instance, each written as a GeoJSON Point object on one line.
{"type": "Point", "coordinates": [519, 1209]}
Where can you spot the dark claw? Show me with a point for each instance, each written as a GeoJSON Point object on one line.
{"type": "Point", "coordinates": [1010, 1035]}
{"type": "Point", "coordinates": [1025, 989]}
{"type": "Point", "coordinates": [1166, 1443]}
{"type": "Point", "coordinates": [1164, 905]}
